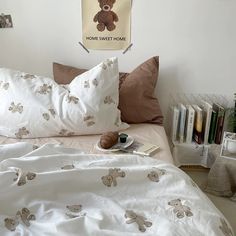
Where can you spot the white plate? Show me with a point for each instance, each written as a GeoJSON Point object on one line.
{"type": "Point", "coordinates": [115, 148]}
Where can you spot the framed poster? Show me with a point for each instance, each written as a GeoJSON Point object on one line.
{"type": "Point", "coordinates": [106, 24]}
{"type": "Point", "coordinates": [5, 21]}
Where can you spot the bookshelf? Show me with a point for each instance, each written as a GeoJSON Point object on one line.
{"type": "Point", "coordinates": [196, 124]}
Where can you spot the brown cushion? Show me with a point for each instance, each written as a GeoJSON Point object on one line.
{"type": "Point", "coordinates": [137, 101]}
{"type": "Point", "coordinates": [65, 74]}
{"type": "Point", "coordinates": [136, 96]}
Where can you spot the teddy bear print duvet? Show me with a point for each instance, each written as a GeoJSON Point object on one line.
{"type": "Point", "coordinates": [52, 190]}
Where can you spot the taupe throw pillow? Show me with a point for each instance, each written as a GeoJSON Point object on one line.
{"type": "Point", "coordinates": [137, 101]}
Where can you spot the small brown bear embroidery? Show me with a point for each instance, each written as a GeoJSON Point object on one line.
{"type": "Point", "coordinates": [111, 177]}
{"type": "Point", "coordinates": [25, 216]}
{"type": "Point", "coordinates": [141, 221]}
{"type": "Point", "coordinates": [16, 108]}
{"type": "Point", "coordinates": [89, 120]}
{"type": "Point", "coordinates": [109, 62]}
{"type": "Point", "coordinates": [76, 211]}
{"type": "Point", "coordinates": [179, 209]}
{"type": "Point", "coordinates": [72, 99]}
{"type": "Point", "coordinates": [5, 86]}
{"type": "Point", "coordinates": [95, 82]}
{"type": "Point", "coordinates": [46, 116]}
{"type": "Point", "coordinates": [52, 111]}
{"type": "Point", "coordinates": [225, 228]}
{"type": "Point", "coordinates": [103, 66]}
{"type": "Point", "coordinates": [86, 84]}
{"type": "Point", "coordinates": [68, 167]}
{"type": "Point", "coordinates": [108, 100]}
{"type": "Point", "coordinates": [11, 223]}
{"type": "Point", "coordinates": [106, 17]}
{"type": "Point", "coordinates": [22, 132]}
{"type": "Point", "coordinates": [155, 174]}
{"type": "Point", "coordinates": [28, 76]}
{"type": "Point", "coordinates": [35, 147]}
{"type": "Point", "coordinates": [44, 89]}
{"type": "Point", "coordinates": [23, 176]}
{"type": "Point", "coordinates": [65, 132]}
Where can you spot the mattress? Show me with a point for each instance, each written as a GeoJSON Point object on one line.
{"type": "Point", "coordinates": [151, 133]}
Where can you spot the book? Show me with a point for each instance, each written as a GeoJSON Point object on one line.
{"type": "Point", "coordinates": [182, 119]}
{"type": "Point", "coordinates": [189, 123]}
{"type": "Point", "coordinates": [212, 130]}
{"type": "Point", "coordinates": [145, 149]}
{"type": "Point", "coordinates": [207, 112]}
{"type": "Point", "coordinates": [197, 133]}
{"type": "Point", "coordinates": [220, 122]}
{"type": "Point", "coordinates": [175, 123]}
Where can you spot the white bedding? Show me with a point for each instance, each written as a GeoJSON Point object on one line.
{"type": "Point", "coordinates": [151, 133]}
{"type": "Point", "coordinates": [61, 191]}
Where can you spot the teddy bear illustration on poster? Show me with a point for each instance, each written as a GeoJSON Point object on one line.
{"type": "Point", "coordinates": [106, 17]}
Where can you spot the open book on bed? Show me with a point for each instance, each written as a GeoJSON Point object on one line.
{"type": "Point", "coordinates": [146, 149]}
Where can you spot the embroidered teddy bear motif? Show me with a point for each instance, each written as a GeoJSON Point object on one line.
{"type": "Point", "coordinates": [23, 176]}
{"type": "Point", "coordinates": [65, 132]}
{"type": "Point", "coordinates": [103, 66]}
{"type": "Point", "coordinates": [35, 147]}
{"type": "Point", "coordinates": [89, 120]}
{"type": "Point", "coordinates": [108, 100]}
{"type": "Point", "coordinates": [225, 228]}
{"type": "Point", "coordinates": [68, 167]}
{"type": "Point", "coordinates": [95, 82]}
{"type": "Point", "coordinates": [11, 223]}
{"type": "Point", "coordinates": [6, 86]}
{"type": "Point", "coordinates": [22, 132]}
{"type": "Point", "coordinates": [109, 62]}
{"type": "Point", "coordinates": [179, 209]}
{"type": "Point", "coordinates": [52, 112]}
{"type": "Point", "coordinates": [16, 108]}
{"type": "Point", "coordinates": [28, 76]}
{"type": "Point", "coordinates": [75, 211]}
{"type": "Point", "coordinates": [86, 84]}
{"type": "Point", "coordinates": [46, 116]}
{"type": "Point", "coordinates": [141, 221]}
{"type": "Point", "coordinates": [113, 174]}
{"type": "Point", "coordinates": [44, 89]}
{"type": "Point", "coordinates": [155, 174]}
{"type": "Point", "coordinates": [24, 215]}
{"type": "Point", "coordinates": [72, 99]}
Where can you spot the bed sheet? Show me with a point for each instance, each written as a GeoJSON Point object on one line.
{"type": "Point", "coordinates": [151, 133]}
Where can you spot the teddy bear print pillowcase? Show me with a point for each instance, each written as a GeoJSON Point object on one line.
{"type": "Point", "coordinates": [35, 106]}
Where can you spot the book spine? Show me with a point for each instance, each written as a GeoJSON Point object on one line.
{"type": "Point", "coordinates": [175, 123]}
{"type": "Point", "coordinates": [211, 137]}
{"type": "Point", "coordinates": [189, 125]}
{"type": "Point", "coordinates": [198, 127]}
{"type": "Point", "coordinates": [182, 122]}
{"type": "Point", "coordinates": [219, 126]}
{"type": "Point", "coordinates": [207, 123]}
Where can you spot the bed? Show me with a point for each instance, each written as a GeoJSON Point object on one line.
{"type": "Point", "coordinates": [150, 133]}
{"type": "Point", "coordinates": [58, 183]}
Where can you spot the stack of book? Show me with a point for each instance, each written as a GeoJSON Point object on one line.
{"type": "Point", "coordinates": [201, 123]}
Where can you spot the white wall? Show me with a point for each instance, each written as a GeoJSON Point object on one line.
{"type": "Point", "coordinates": [195, 39]}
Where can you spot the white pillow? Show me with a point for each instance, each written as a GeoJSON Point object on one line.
{"type": "Point", "coordinates": [34, 106]}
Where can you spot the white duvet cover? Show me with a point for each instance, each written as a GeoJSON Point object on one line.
{"type": "Point", "coordinates": [53, 190]}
